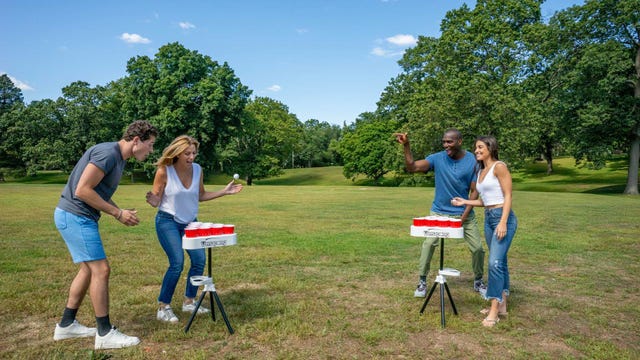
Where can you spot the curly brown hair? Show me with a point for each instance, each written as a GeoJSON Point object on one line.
{"type": "Point", "coordinates": [140, 128]}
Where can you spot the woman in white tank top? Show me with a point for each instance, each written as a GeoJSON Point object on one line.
{"type": "Point", "coordinates": [494, 185]}
{"type": "Point", "coordinates": [177, 190]}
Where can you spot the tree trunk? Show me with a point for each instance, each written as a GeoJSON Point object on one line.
{"type": "Point", "coordinates": [634, 161]}
{"type": "Point", "coordinates": [249, 180]}
{"type": "Point", "coordinates": [634, 149]}
{"type": "Point", "coordinates": [548, 156]}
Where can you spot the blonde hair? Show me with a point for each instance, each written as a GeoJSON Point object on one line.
{"type": "Point", "coordinates": [178, 146]}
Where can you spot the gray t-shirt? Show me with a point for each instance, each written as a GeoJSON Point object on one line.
{"type": "Point", "coordinates": [108, 158]}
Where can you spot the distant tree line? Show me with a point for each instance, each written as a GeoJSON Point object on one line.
{"type": "Point", "coordinates": [566, 86]}
{"type": "Point", "coordinates": [181, 92]}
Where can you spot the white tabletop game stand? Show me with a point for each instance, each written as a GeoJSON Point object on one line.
{"type": "Point", "coordinates": [441, 233]}
{"type": "Point", "coordinates": [208, 242]}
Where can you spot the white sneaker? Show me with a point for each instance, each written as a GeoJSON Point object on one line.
{"type": "Point", "coordinates": [190, 307]}
{"type": "Point", "coordinates": [115, 340]}
{"type": "Point", "coordinates": [166, 314]}
{"type": "Point", "coordinates": [75, 330]}
{"type": "Point", "coordinates": [421, 289]}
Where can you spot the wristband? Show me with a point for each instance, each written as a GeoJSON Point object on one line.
{"type": "Point", "coordinates": [119, 215]}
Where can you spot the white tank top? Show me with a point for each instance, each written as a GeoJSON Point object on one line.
{"type": "Point", "coordinates": [179, 201]}
{"type": "Point", "coordinates": [489, 188]}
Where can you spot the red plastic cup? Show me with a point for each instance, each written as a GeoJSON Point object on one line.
{"type": "Point", "coordinates": [431, 221]}
{"type": "Point", "coordinates": [191, 232]}
{"type": "Point", "coordinates": [442, 221]}
{"type": "Point", "coordinates": [216, 229]}
{"type": "Point", "coordinates": [204, 230]}
{"type": "Point", "coordinates": [455, 223]}
{"type": "Point", "coordinates": [228, 229]}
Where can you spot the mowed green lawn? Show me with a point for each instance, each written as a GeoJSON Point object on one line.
{"type": "Point", "coordinates": [328, 271]}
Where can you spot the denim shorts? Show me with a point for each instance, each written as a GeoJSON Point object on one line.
{"type": "Point", "coordinates": [81, 236]}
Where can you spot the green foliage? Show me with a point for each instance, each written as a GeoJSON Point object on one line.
{"type": "Point", "coordinates": [183, 92]}
{"type": "Point", "coordinates": [569, 86]}
{"type": "Point", "coordinates": [315, 146]}
{"type": "Point", "coordinates": [10, 95]}
{"type": "Point", "coordinates": [270, 136]}
{"type": "Point", "coordinates": [367, 149]}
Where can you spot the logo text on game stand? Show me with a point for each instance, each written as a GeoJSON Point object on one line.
{"type": "Point", "coordinates": [212, 242]}
{"type": "Point", "coordinates": [436, 233]}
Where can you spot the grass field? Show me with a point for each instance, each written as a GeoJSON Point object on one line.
{"type": "Point", "coordinates": [328, 272]}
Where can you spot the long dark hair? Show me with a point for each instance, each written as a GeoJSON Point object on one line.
{"type": "Point", "coordinates": [492, 146]}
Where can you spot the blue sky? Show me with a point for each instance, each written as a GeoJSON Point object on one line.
{"type": "Point", "coordinates": [326, 60]}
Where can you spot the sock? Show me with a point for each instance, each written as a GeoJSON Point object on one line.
{"type": "Point", "coordinates": [104, 325]}
{"type": "Point", "coordinates": [423, 278]}
{"type": "Point", "coordinates": [68, 316]}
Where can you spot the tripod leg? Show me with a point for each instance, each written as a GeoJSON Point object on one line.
{"type": "Point", "coordinates": [442, 320]}
{"type": "Point", "coordinates": [455, 311]}
{"type": "Point", "coordinates": [213, 310]}
{"type": "Point", "coordinates": [224, 315]}
{"type": "Point", "coordinates": [426, 301]}
{"type": "Point", "coordinates": [195, 311]}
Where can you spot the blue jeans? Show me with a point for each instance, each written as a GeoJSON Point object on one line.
{"type": "Point", "coordinates": [498, 282]}
{"type": "Point", "coordinates": [170, 235]}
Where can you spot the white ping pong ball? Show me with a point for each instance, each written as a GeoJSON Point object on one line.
{"type": "Point", "coordinates": [236, 176]}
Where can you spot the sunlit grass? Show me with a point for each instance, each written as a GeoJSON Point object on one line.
{"type": "Point", "coordinates": [328, 272]}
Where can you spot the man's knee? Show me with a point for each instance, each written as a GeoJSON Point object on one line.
{"type": "Point", "coordinates": [99, 268]}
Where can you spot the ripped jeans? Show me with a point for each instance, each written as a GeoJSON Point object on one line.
{"type": "Point", "coordinates": [498, 268]}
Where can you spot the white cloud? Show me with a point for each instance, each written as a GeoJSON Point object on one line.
{"type": "Point", "coordinates": [185, 25]}
{"type": "Point", "coordinates": [394, 45]}
{"type": "Point", "coordinates": [134, 39]}
{"type": "Point", "coordinates": [302, 31]}
{"type": "Point", "coordinates": [274, 88]}
{"type": "Point", "coordinates": [378, 51]}
{"type": "Point", "coordinates": [17, 83]}
{"type": "Point", "coordinates": [402, 40]}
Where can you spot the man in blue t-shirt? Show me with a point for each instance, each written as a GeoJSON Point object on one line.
{"type": "Point", "coordinates": [454, 170]}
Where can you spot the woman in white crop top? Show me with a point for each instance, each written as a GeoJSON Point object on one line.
{"type": "Point", "coordinates": [177, 189]}
{"type": "Point", "coordinates": [494, 186]}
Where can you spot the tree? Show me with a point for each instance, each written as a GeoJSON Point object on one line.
{"type": "Point", "coordinates": [11, 104]}
{"type": "Point", "coordinates": [315, 146]}
{"type": "Point", "coordinates": [183, 92]}
{"type": "Point", "coordinates": [269, 136]}
{"type": "Point", "coordinates": [471, 79]}
{"type": "Point", "coordinates": [35, 135]}
{"type": "Point", "coordinates": [10, 95]}
{"type": "Point", "coordinates": [368, 147]}
{"type": "Point", "coordinates": [601, 93]}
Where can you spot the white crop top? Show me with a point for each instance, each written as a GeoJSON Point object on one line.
{"type": "Point", "coordinates": [490, 189]}
{"type": "Point", "coordinates": [179, 201]}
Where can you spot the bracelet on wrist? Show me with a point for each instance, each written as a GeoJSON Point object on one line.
{"type": "Point", "coordinates": [119, 215]}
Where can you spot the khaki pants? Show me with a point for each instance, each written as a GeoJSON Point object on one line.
{"type": "Point", "coordinates": [471, 236]}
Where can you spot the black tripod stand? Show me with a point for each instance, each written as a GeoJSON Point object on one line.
{"type": "Point", "coordinates": [440, 279]}
{"type": "Point", "coordinates": [209, 287]}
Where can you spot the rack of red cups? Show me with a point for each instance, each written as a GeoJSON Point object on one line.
{"type": "Point", "coordinates": [198, 235]}
{"type": "Point", "coordinates": [198, 229]}
{"type": "Point", "coordinates": [437, 226]}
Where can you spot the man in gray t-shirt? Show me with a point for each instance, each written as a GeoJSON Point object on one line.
{"type": "Point", "coordinates": [87, 193]}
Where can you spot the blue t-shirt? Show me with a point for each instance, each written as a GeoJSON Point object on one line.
{"type": "Point", "coordinates": [108, 158]}
{"type": "Point", "coordinates": [453, 178]}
